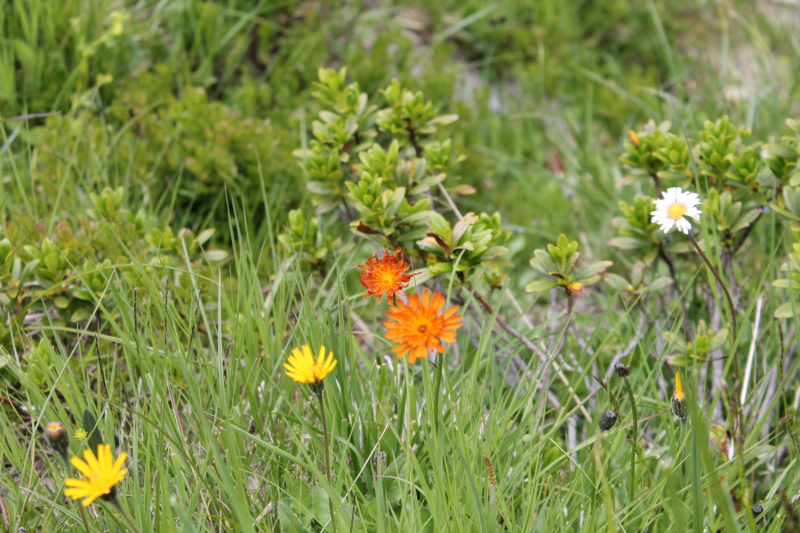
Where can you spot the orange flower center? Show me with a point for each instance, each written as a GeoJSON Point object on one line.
{"type": "Point", "coordinates": [422, 329]}
{"type": "Point", "coordinates": [387, 277]}
{"type": "Point", "coordinates": [676, 211]}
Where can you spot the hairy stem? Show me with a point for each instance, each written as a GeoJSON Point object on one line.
{"type": "Point", "coordinates": [657, 183]}
{"type": "Point", "coordinates": [83, 517]}
{"type": "Point", "coordinates": [327, 452]}
{"type": "Point", "coordinates": [413, 138]}
{"type": "Point", "coordinates": [437, 391]}
{"type": "Point", "coordinates": [727, 296]}
{"type": "Point", "coordinates": [687, 325]}
{"type": "Point", "coordinates": [635, 435]}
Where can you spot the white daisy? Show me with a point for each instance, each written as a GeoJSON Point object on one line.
{"type": "Point", "coordinates": [673, 207]}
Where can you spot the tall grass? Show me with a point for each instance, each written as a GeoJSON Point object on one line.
{"type": "Point", "coordinates": [219, 439]}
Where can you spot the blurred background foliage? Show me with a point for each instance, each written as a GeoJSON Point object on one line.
{"type": "Point", "coordinates": [181, 103]}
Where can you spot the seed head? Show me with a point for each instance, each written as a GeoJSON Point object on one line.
{"type": "Point", "coordinates": [622, 370]}
{"type": "Point", "coordinates": [490, 471]}
{"type": "Point", "coordinates": [757, 510]}
{"type": "Point", "coordinates": [608, 419]}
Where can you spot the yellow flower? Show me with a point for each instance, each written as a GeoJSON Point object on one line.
{"type": "Point", "coordinates": [100, 474]}
{"type": "Point", "coordinates": [302, 368]}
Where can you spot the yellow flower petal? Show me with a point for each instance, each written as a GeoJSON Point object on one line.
{"type": "Point", "coordinates": [302, 368]}
{"type": "Point", "coordinates": [101, 472]}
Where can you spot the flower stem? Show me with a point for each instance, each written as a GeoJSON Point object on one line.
{"type": "Point", "coordinates": [125, 517]}
{"type": "Point", "coordinates": [83, 517]}
{"type": "Point", "coordinates": [727, 295]}
{"type": "Point", "coordinates": [327, 452]}
{"type": "Point", "coordinates": [437, 392]}
{"type": "Point", "coordinates": [65, 464]}
{"type": "Point", "coordinates": [635, 435]}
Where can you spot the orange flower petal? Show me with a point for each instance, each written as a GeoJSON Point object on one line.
{"type": "Point", "coordinates": [418, 326]}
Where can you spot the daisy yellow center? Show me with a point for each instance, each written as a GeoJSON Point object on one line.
{"type": "Point", "coordinates": [676, 211]}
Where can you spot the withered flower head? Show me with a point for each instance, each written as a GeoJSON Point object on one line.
{"type": "Point", "coordinates": [608, 419]}
{"type": "Point", "coordinates": [385, 275]}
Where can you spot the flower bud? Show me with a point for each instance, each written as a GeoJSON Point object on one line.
{"type": "Point", "coordinates": [608, 419]}
{"type": "Point", "coordinates": [622, 370]}
{"type": "Point", "coordinates": [679, 407]}
{"type": "Point", "coordinates": [57, 438]}
{"type": "Point", "coordinates": [111, 497]}
{"type": "Point", "coordinates": [317, 387]}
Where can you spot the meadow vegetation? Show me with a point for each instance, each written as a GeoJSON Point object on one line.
{"type": "Point", "coordinates": [381, 266]}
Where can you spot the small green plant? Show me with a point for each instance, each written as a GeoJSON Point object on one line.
{"type": "Point", "coordinates": [639, 283]}
{"type": "Point", "coordinates": [687, 353]}
{"type": "Point", "coordinates": [559, 264]}
{"type": "Point", "coordinates": [637, 231]}
{"type": "Point", "coordinates": [474, 240]}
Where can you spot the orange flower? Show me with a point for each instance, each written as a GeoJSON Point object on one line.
{"type": "Point", "coordinates": [385, 275]}
{"type": "Point", "coordinates": [419, 327]}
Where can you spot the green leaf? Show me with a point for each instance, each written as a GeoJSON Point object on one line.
{"type": "Point", "coordinates": [80, 314]}
{"type": "Point", "coordinates": [25, 54]}
{"type": "Point", "coordinates": [90, 426]}
{"type": "Point", "coordinates": [443, 119]}
{"type": "Point", "coordinates": [591, 270]}
{"type": "Point", "coordinates": [205, 235]}
{"type": "Point", "coordinates": [618, 282]}
{"type": "Point", "coordinates": [784, 212]}
{"type": "Point", "coordinates": [301, 501]}
{"type": "Point", "coordinates": [290, 522]}
{"type": "Point", "coordinates": [215, 255]}
{"type": "Point", "coordinates": [629, 243]}
{"type": "Point", "coordinates": [541, 285]}
{"type": "Point", "coordinates": [781, 151]}
{"type": "Point", "coordinates": [785, 311]}
{"type": "Point", "coordinates": [51, 262]}
{"type": "Point", "coordinates": [592, 280]}
{"type": "Point", "coordinates": [680, 360]}
{"type": "Point", "coordinates": [658, 284]}
{"type": "Point", "coordinates": [718, 340]}
{"type": "Point", "coordinates": [421, 276]}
